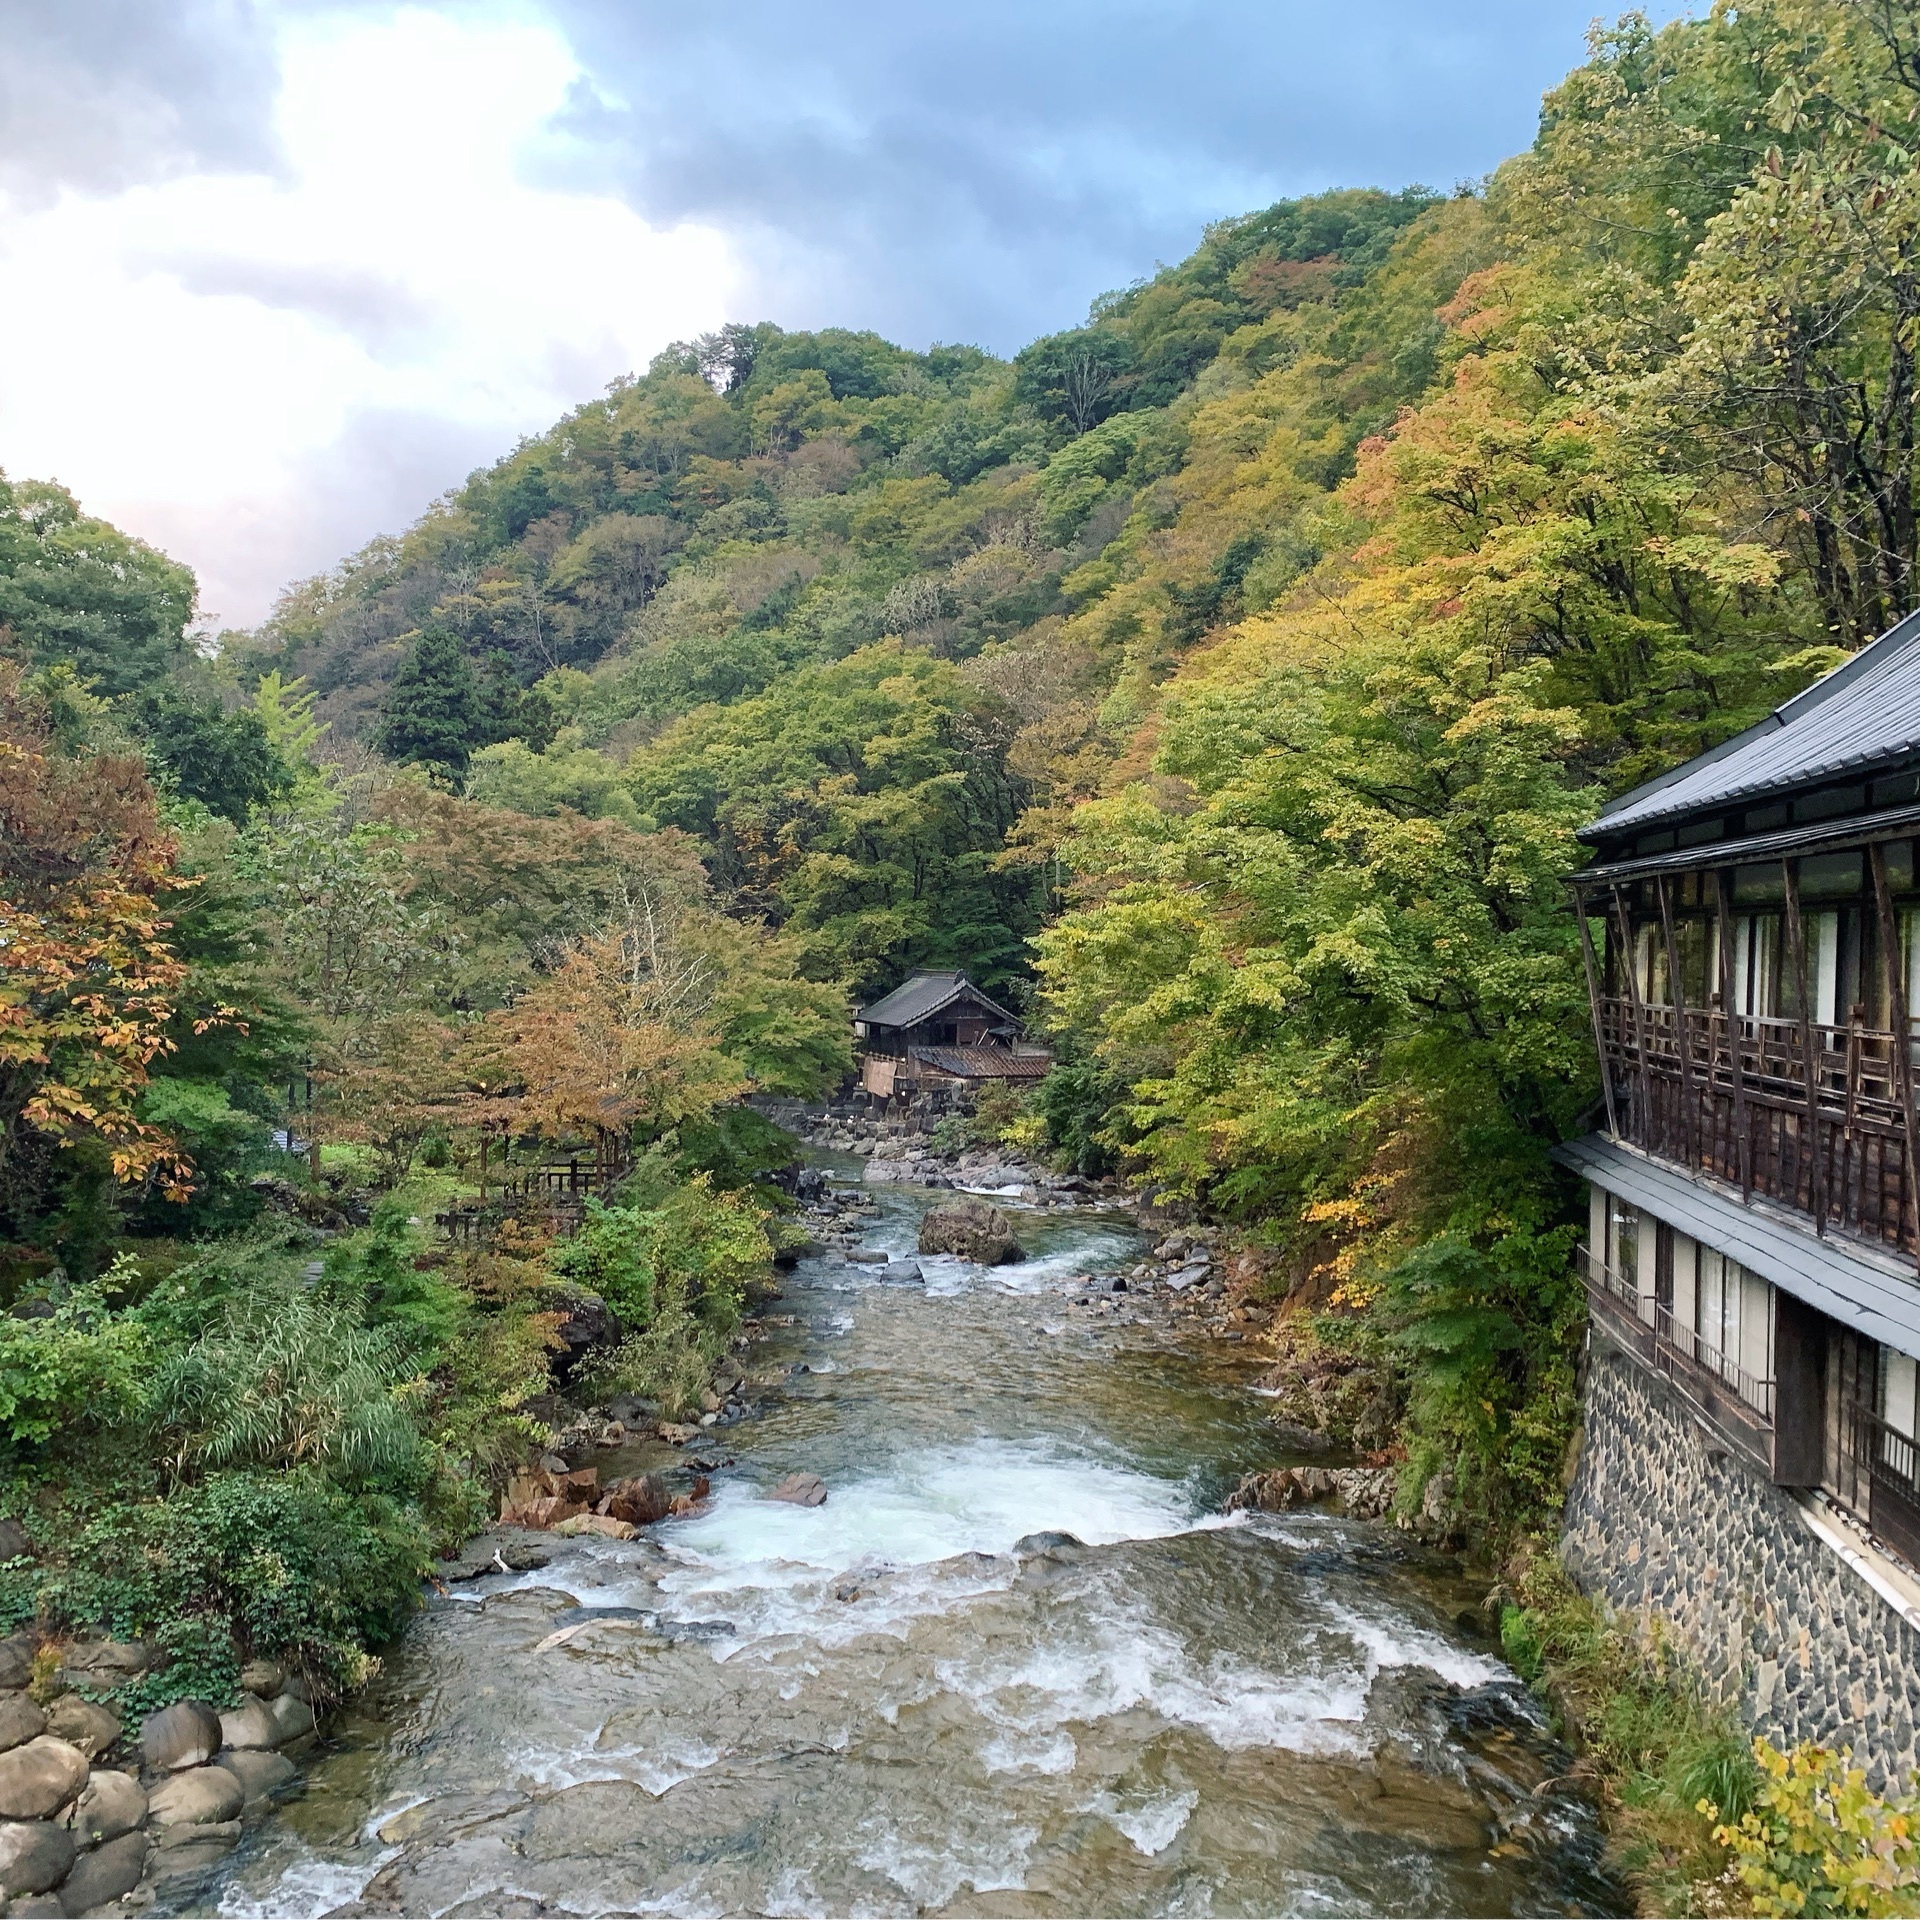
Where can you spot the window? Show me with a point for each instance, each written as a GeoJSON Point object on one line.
{"type": "Point", "coordinates": [1622, 1252]}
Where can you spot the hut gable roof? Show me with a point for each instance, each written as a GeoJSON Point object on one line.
{"type": "Point", "coordinates": [923, 995]}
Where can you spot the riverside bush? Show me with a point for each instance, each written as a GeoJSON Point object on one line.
{"type": "Point", "coordinates": [1815, 1841]}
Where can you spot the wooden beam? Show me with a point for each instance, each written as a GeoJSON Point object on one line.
{"type": "Point", "coordinates": [1623, 932]}
{"type": "Point", "coordinates": [1797, 940]}
{"type": "Point", "coordinates": [1677, 996]}
{"type": "Point", "coordinates": [1743, 1147]}
{"type": "Point", "coordinates": [1893, 972]}
{"type": "Point", "coordinates": [1593, 1001]}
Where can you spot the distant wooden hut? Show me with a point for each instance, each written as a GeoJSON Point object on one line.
{"type": "Point", "coordinates": [938, 1033]}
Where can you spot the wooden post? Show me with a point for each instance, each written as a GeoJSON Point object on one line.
{"type": "Point", "coordinates": [483, 1166]}
{"type": "Point", "coordinates": [1893, 971]}
{"type": "Point", "coordinates": [1676, 990]}
{"type": "Point", "coordinates": [1593, 1000]}
{"type": "Point", "coordinates": [1797, 940]}
{"type": "Point", "coordinates": [1623, 932]}
{"type": "Point", "coordinates": [1742, 1146]}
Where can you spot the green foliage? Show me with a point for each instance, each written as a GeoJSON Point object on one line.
{"type": "Point", "coordinates": [79, 594]}
{"type": "Point", "coordinates": [1815, 1841]}
{"type": "Point", "coordinates": [440, 710]}
{"type": "Point", "coordinates": [80, 1364]}
{"type": "Point", "coordinates": [284, 1378]}
{"type": "Point", "coordinates": [226, 761]}
{"type": "Point", "coordinates": [694, 1246]}
{"type": "Point", "coordinates": [286, 1564]}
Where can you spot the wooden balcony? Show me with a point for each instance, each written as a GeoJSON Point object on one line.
{"type": "Point", "coordinates": [1813, 1117]}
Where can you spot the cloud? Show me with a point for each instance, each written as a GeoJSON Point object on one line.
{"type": "Point", "coordinates": [979, 172]}
{"type": "Point", "coordinates": [279, 271]}
{"type": "Point", "coordinates": [99, 94]}
{"type": "Point", "coordinates": [243, 365]}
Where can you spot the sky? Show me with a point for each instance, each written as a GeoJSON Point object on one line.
{"type": "Point", "coordinates": [279, 272]}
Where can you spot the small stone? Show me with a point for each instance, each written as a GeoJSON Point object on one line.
{"type": "Point", "coordinates": [597, 1523]}
{"type": "Point", "coordinates": [292, 1716]}
{"type": "Point", "coordinates": [186, 1734]}
{"type": "Point", "coordinates": [103, 1876]}
{"type": "Point", "coordinates": [35, 1856]}
{"type": "Point", "coordinates": [250, 1724]}
{"type": "Point", "coordinates": [84, 1724]}
{"type": "Point", "coordinates": [261, 1775]}
{"type": "Point", "coordinates": [675, 1434]}
{"type": "Point", "coordinates": [263, 1678]}
{"type": "Point", "coordinates": [20, 1720]}
{"type": "Point", "coordinates": [39, 1778]}
{"type": "Point", "coordinates": [800, 1490]}
{"type": "Point", "coordinates": [110, 1804]}
{"type": "Point", "coordinates": [192, 1846]}
{"type": "Point", "coordinates": [198, 1797]}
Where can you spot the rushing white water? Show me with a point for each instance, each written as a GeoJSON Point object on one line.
{"type": "Point", "coordinates": [918, 1696]}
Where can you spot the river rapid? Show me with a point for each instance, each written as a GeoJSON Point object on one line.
{"type": "Point", "coordinates": [901, 1702]}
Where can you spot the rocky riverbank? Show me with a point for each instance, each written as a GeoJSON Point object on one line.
{"type": "Point", "coordinates": [97, 1814]}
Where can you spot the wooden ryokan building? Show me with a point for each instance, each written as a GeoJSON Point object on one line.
{"type": "Point", "coordinates": [1752, 932]}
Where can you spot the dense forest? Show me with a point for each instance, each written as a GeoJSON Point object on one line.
{"type": "Point", "coordinates": [1223, 680]}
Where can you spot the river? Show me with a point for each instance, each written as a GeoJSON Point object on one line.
{"type": "Point", "coordinates": [880, 1706]}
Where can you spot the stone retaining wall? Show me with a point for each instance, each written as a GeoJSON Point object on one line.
{"type": "Point", "coordinates": [1669, 1528]}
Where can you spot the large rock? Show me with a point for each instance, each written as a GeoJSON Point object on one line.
{"type": "Point", "coordinates": [596, 1523]}
{"type": "Point", "coordinates": [199, 1797]}
{"type": "Point", "coordinates": [39, 1778]}
{"type": "Point", "coordinates": [263, 1678]}
{"type": "Point", "coordinates": [14, 1544]}
{"type": "Point", "coordinates": [110, 1804]}
{"type": "Point", "coordinates": [186, 1734]}
{"type": "Point", "coordinates": [104, 1875]}
{"type": "Point", "coordinates": [101, 1665]}
{"type": "Point", "coordinates": [35, 1856]}
{"type": "Point", "coordinates": [801, 1490]}
{"type": "Point", "coordinates": [972, 1229]}
{"type": "Point", "coordinates": [84, 1724]}
{"type": "Point", "coordinates": [639, 1501]}
{"type": "Point", "coordinates": [250, 1724]}
{"type": "Point", "coordinates": [291, 1716]}
{"type": "Point", "coordinates": [20, 1720]}
{"type": "Point", "coordinates": [261, 1774]}
{"type": "Point", "coordinates": [585, 1322]}
{"type": "Point", "coordinates": [16, 1661]}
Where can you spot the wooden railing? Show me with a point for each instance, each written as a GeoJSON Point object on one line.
{"type": "Point", "coordinates": [1739, 1403]}
{"type": "Point", "coordinates": [1810, 1115]}
{"type": "Point", "coordinates": [555, 1191]}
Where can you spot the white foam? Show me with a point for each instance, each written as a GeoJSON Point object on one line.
{"type": "Point", "coordinates": [304, 1890]}
{"type": "Point", "coordinates": [1030, 1753]}
{"type": "Point", "coordinates": [1152, 1824]}
{"type": "Point", "coordinates": [933, 1874]}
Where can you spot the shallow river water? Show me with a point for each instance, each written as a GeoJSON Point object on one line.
{"type": "Point", "coordinates": [878, 1706]}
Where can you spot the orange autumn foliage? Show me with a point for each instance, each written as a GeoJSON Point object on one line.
{"type": "Point", "coordinates": [87, 979]}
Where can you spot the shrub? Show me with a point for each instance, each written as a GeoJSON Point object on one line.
{"type": "Point", "coordinates": [287, 1564]}
{"type": "Point", "coordinates": [80, 1365]}
{"type": "Point", "coordinates": [286, 1378]}
{"type": "Point", "coordinates": [1816, 1841]}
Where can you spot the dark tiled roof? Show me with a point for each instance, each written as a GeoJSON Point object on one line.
{"type": "Point", "coordinates": [922, 996]}
{"type": "Point", "coordinates": [982, 1063]}
{"type": "Point", "coordinates": [1864, 714]}
{"type": "Point", "coordinates": [1861, 1288]}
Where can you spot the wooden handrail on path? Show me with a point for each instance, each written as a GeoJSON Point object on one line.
{"type": "Point", "coordinates": [558, 1188]}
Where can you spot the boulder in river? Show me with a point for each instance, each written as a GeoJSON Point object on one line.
{"type": "Point", "coordinates": [639, 1501]}
{"type": "Point", "coordinates": [800, 1490]}
{"type": "Point", "coordinates": [186, 1734]}
{"type": "Point", "coordinates": [20, 1720]}
{"type": "Point", "coordinates": [39, 1778]}
{"type": "Point", "coordinates": [34, 1856]}
{"type": "Point", "coordinates": [972, 1229]}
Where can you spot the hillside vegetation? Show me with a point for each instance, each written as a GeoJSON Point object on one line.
{"type": "Point", "coordinates": [1223, 680]}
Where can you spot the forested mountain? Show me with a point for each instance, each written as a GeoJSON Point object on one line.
{"type": "Point", "coordinates": [1225, 678]}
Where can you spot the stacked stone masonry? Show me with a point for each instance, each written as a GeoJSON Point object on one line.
{"type": "Point", "coordinates": [1668, 1527]}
